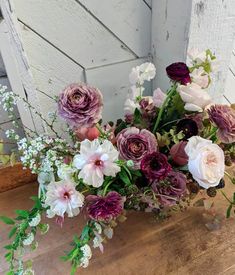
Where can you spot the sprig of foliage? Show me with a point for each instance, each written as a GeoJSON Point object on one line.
{"type": "Point", "coordinates": [23, 231]}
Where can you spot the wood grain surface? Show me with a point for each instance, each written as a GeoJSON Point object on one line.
{"type": "Point", "coordinates": [181, 245]}
{"type": "Point", "coordinates": [14, 176]}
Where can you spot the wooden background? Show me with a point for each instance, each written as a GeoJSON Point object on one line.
{"type": "Point", "coordinates": [181, 245]}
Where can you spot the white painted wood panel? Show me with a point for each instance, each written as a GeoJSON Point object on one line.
{"type": "Point", "coordinates": [212, 25]}
{"type": "Point", "coordinates": [130, 20]}
{"type": "Point", "coordinates": [51, 69]}
{"type": "Point", "coordinates": [170, 27]}
{"type": "Point", "coordinates": [230, 87]}
{"type": "Point", "coordinates": [69, 27]}
{"type": "Point", "coordinates": [113, 81]}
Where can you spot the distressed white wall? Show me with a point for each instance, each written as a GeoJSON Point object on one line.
{"type": "Point", "coordinates": [179, 25]}
{"type": "Point", "coordinates": [65, 41]}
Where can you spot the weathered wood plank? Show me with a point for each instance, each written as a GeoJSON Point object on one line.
{"type": "Point", "coordinates": [170, 26]}
{"type": "Point", "coordinates": [230, 87]}
{"type": "Point", "coordinates": [68, 26]}
{"type": "Point", "coordinates": [14, 176]}
{"type": "Point", "coordinates": [140, 246]}
{"type": "Point", "coordinates": [130, 20]}
{"type": "Point", "coordinates": [114, 84]}
{"type": "Point", "coordinates": [51, 71]}
{"type": "Point", "coordinates": [16, 66]}
{"type": "Point", "coordinates": [212, 25]}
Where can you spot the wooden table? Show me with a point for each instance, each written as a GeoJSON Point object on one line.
{"type": "Point", "coordinates": [181, 245]}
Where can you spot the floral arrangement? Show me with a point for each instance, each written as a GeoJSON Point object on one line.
{"type": "Point", "coordinates": [169, 148]}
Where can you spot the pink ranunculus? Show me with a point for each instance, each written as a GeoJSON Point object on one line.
{"type": "Point", "coordinates": [87, 133]}
{"type": "Point", "coordinates": [133, 144]}
{"type": "Point", "coordinates": [80, 105]}
{"type": "Point", "coordinates": [158, 97]}
{"type": "Point", "coordinates": [155, 166]}
{"type": "Point", "coordinates": [178, 154]}
{"type": "Point", "coordinates": [224, 118]}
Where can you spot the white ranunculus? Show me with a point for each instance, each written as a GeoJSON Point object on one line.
{"type": "Point", "coordinates": [62, 197]}
{"type": "Point", "coordinates": [206, 161]}
{"type": "Point", "coordinates": [195, 98]}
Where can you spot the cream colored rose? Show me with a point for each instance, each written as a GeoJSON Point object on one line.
{"type": "Point", "coordinates": [206, 161]}
{"type": "Point", "coordinates": [195, 98]}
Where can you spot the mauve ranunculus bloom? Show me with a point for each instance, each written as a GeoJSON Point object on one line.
{"type": "Point", "coordinates": [133, 144]}
{"type": "Point", "coordinates": [179, 72]}
{"type": "Point", "coordinates": [178, 154]}
{"type": "Point", "coordinates": [105, 208]}
{"type": "Point", "coordinates": [80, 105]}
{"type": "Point", "coordinates": [224, 118]}
{"type": "Point", "coordinates": [171, 189]}
{"type": "Point", "coordinates": [155, 166]}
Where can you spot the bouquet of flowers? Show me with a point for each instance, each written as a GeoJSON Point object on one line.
{"type": "Point", "coordinates": [168, 148]}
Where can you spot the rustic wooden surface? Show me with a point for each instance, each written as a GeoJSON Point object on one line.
{"type": "Point", "coordinates": [14, 176]}
{"type": "Point", "coordinates": [181, 245]}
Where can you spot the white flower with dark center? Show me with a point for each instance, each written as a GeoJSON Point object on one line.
{"type": "Point", "coordinates": [96, 160]}
{"type": "Point", "coordinates": [62, 197]}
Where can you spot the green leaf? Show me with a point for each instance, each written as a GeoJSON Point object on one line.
{"type": "Point", "coordinates": [228, 213]}
{"type": "Point", "coordinates": [136, 173]}
{"type": "Point", "coordinates": [22, 213]}
{"type": "Point", "coordinates": [124, 177]}
{"type": "Point", "coordinates": [137, 116]}
{"type": "Point", "coordinates": [10, 273]}
{"type": "Point", "coordinates": [8, 247]}
{"type": "Point", "coordinates": [12, 232]}
{"type": "Point", "coordinates": [6, 220]}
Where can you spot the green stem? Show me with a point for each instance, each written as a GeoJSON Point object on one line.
{"type": "Point", "coordinates": [169, 95]}
{"type": "Point", "coordinates": [211, 133]}
{"type": "Point", "coordinates": [106, 188]}
{"type": "Point", "coordinates": [230, 177]}
{"type": "Point", "coordinates": [227, 198]}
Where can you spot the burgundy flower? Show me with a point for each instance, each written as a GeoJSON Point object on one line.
{"type": "Point", "coordinates": [80, 105]}
{"type": "Point", "coordinates": [188, 127]}
{"type": "Point", "coordinates": [179, 72]}
{"type": "Point", "coordinates": [105, 208]}
{"type": "Point", "coordinates": [171, 189]}
{"type": "Point", "coordinates": [224, 118]}
{"type": "Point", "coordinates": [155, 166]}
{"type": "Point", "coordinates": [178, 154]}
{"type": "Point", "coordinates": [133, 144]}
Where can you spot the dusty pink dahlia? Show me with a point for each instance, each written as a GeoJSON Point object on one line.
{"type": "Point", "coordinates": [105, 208]}
{"type": "Point", "coordinates": [80, 105]}
{"type": "Point", "coordinates": [224, 118]}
